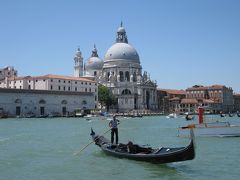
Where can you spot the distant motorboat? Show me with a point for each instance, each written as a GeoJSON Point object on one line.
{"type": "Point", "coordinates": [217, 128]}
{"type": "Point", "coordinates": [188, 117]}
{"type": "Point", "coordinates": [230, 115]}
{"type": "Point", "coordinates": [172, 115]}
{"type": "Point", "coordinates": [222, 115]}
{"type": "Point", "coordinates": [88, 117]}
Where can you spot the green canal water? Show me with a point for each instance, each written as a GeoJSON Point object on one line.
{"type": "Point", "coordinates": [44, 149]}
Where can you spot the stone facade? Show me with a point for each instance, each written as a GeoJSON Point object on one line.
{"type": "Point", "coordinates": [214, 98]}
{"type": "Point", "coordinates": [52, 89]}
{"type": "Point", "coordinates": [122, 74]}
{"type": "Point", "coordinates": [20, 102]}
{"type": "Point", "coordinates": [169, 100]}
{"type": "Point", "coordinates": [236, 98]}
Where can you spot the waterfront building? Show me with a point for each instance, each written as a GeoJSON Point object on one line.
{"type": "Point", "coordinates": [169, 100]}
{"type": "Point", "coordinates": [236, 99]}
{"type": "Point", "coordinates": [33, 89]}
{"type": "Point", "coordinates": [122, 74]}
{"type": "Point", "coordinates": [28, 102]}
{"type": "Point", "coordinates": [6, 73]}
{"type": "Point", "coordinates": [215, 98]}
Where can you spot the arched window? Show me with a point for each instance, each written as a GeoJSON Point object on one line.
{"type": "Point", "coordinates": [108, 75]}
{"type": "Point", "coordinates": [121, 76]}
{"type": "Point", "coordinates": [64, 102]}
{"type": "Point", "coordinates": [126, 92]}
{"type": "Point", "coordinates": [42, 101]}
{"type": "Point", "coordinates": [134, 77]}
{"type": "Point", "coordinates": [127, 77]}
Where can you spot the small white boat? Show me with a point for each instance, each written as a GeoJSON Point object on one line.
{"type": "Point", "coordinates": [172, 115]}
{"type": "Point", "coordinates": [220, 129]}
{"type": "Point", "coordinates": [89, 117]}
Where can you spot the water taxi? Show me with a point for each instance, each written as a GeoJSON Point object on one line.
{"type": "Point", "coordinates": [220, 129]}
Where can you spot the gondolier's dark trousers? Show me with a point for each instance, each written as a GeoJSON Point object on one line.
{"type": "Point", "coordinates": [114, 131]}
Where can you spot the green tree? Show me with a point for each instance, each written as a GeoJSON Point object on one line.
{"type": "Point", "coordinates": [105, 97]}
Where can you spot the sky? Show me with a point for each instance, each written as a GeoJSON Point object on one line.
{"type": "Point", "coordinates": [181, 43]}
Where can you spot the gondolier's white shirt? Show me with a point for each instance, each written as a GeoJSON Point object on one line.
{"type": "Point", "coordinates": [114, 123]}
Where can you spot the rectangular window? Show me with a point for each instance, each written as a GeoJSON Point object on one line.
{"type": "Point", "coordinates": [59, 88]}
{"type": "Point", "coordinates": [89, 89]}
{"type": "Point", "coordinates": [64, 88]}
{"type": "Point", "coordinates": [64, 81]}
{"type": "Point", "coordinates": [29, 87]}
{"type": "Point", "coordinates": [85, 89]}
{"type": "Point", "coordinates": [75, 88]}
{"type": "Point", "coordinates": [51, 87]}
{"type": "Point", "coordinates": [75, 82]}
{"type": "Point", "coordinates": [68, 81]}
{"type": "Point", "coordinates": [59, 80]}
{"type": "Point", "coordinates": [69, 88]}
{"type": "Point", "coordinates": [51, 80]}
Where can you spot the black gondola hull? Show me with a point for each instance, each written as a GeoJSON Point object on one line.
{"type": "Point", "coordinates": [158, 156]}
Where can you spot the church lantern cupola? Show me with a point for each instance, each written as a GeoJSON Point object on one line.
{"type": "Point", "coordinates": [121, 35]}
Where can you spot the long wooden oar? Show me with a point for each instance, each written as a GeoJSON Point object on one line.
{"type": "Point", "coordinates": [76, 153]}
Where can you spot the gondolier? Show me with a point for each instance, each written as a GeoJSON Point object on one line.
{"type": "Point", "coordinates": [113, 124]}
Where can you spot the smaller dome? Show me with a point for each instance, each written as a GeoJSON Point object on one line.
{"type": "Point", "coordinates": [78, 53]}
{"type": "Point", "coordinates": [121, 30]}
{"type": "Point", "coordinates": [94, 63]}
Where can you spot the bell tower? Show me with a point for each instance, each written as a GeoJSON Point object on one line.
{"type": "Point", "coordinates": [78, 67]}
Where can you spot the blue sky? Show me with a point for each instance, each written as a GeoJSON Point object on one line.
{"type": "Point", "coordinates": [180, 42]}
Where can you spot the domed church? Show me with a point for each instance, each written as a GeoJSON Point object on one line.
{"type": "Point", "coordinates": [121, 72]}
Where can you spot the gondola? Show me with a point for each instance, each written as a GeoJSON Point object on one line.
{"type": "Point", "coordinates": [147, 154]}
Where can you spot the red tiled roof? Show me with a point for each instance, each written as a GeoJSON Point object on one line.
{"type": "Point", "coordinates": [51, 76]}
{"type": "Point", "coordinates": [206, 87]}
{"type": "Point", "coordinates": [209, 101]}
{"type": "Point", "coordinates": [173, 91]}
{"type": "Point", "coordinates": [189, 101]}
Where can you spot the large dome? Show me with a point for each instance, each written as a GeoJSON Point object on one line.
{"type": "Point", "coordinates": [122, 51]}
